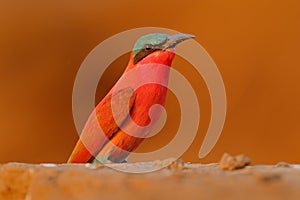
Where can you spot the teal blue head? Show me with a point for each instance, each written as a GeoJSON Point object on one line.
{"type": "Point", "coordinates": [150, 43]}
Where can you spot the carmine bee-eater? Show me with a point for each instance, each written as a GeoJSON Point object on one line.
{"type": "Point", "coordinates": [129, 104]}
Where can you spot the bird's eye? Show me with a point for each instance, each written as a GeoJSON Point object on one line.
{"type": "Point", "coordinates": [148, 47]}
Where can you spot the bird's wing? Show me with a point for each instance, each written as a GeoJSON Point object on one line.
{"type": "Point", "coordinates": [92, 139]}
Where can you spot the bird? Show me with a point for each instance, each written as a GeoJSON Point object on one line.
{"type": "Point", "coordinates": [124, 105]}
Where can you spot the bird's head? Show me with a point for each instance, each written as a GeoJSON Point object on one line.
{"type": "Point", "coordinates": [157, 48]}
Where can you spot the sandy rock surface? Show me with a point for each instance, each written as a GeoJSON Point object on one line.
{"type": "Point", "coordinates": [177, 181]}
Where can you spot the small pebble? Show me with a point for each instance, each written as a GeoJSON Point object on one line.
{"type": "Point", "coordinates": [229, 162]}
{"type": "Point", "coordinates": [177, 164]}
{"type": "Point", "coordinates": [282, 164]}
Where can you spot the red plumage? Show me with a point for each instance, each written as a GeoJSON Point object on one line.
{"type": "Point", "coordinates": [93, 143]}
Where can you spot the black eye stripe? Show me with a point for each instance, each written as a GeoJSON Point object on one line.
{"type": "Point", "coordinates": [148, 47]}
{"type": "Point", "coordinates": [142, 54]}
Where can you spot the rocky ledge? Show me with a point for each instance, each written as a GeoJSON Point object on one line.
{"type": "Point", "coordinates": [177, 181]}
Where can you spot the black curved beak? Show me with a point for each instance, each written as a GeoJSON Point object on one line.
{"type": "Point", "coordinates": [176, 39]}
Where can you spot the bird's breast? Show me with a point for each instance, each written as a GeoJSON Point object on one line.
{"type": "Point", "coordinates": [153, 92]}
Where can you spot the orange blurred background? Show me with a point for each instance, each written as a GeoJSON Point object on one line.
{"type": "Point", "coordinates": [255, 44]}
